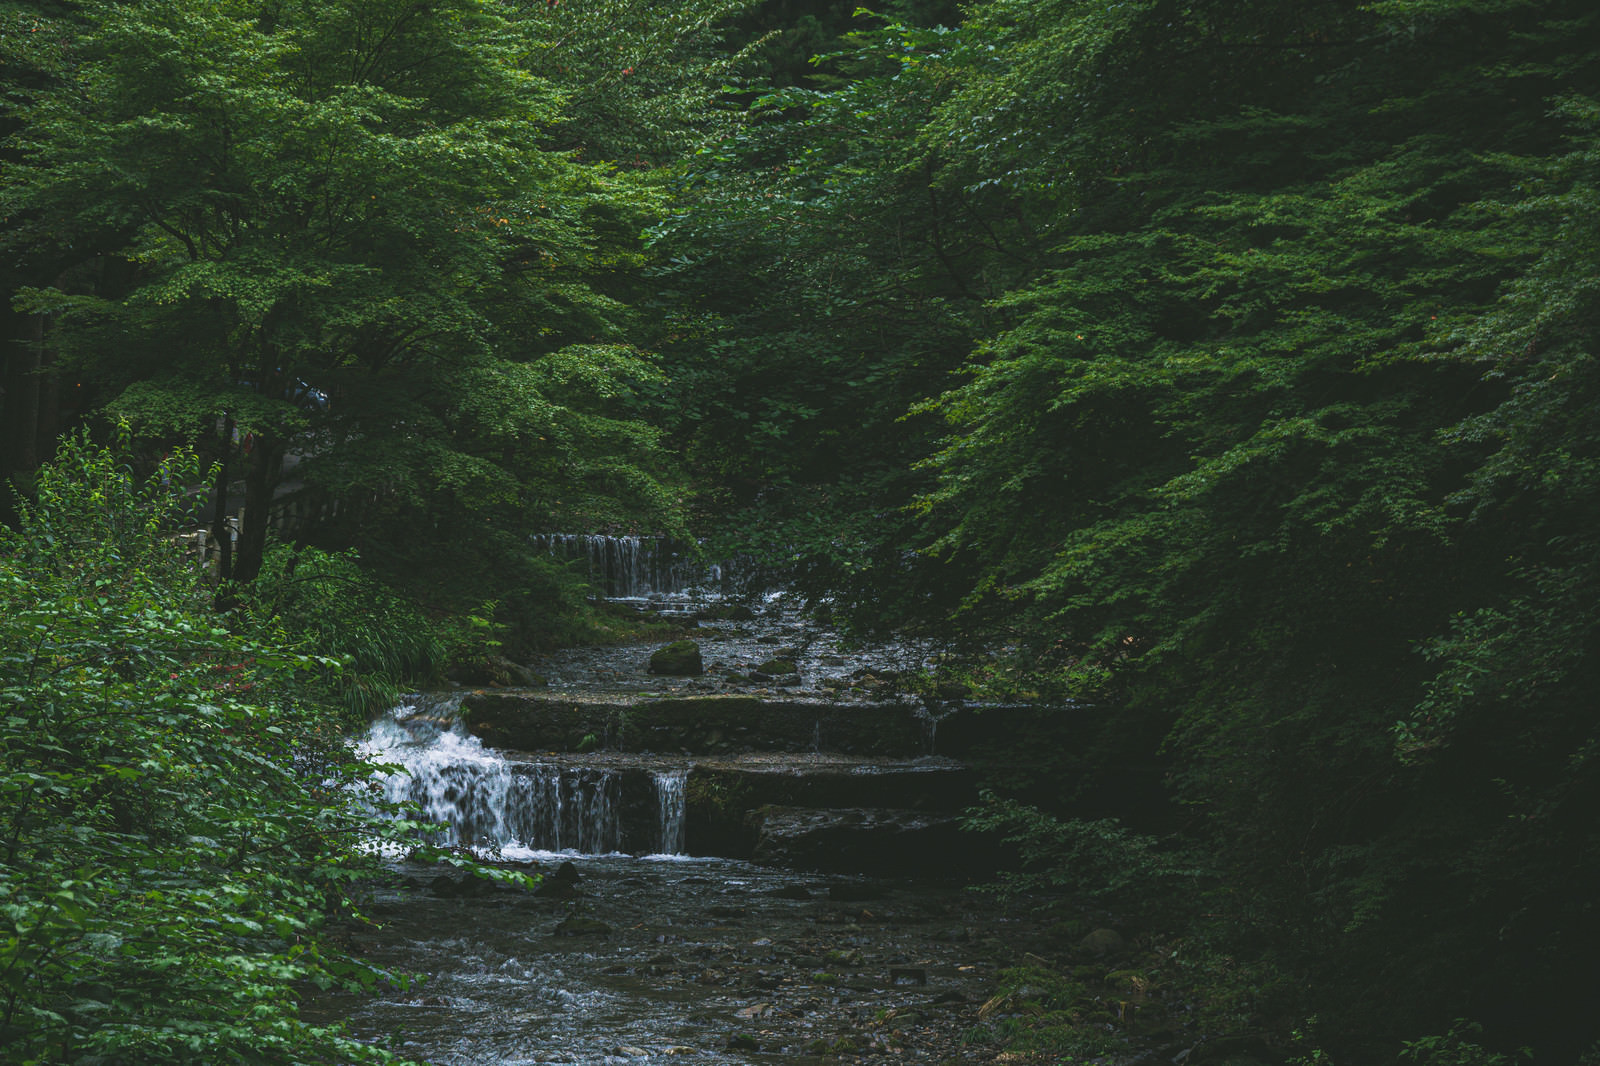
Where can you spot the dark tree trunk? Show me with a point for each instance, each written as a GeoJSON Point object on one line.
{"type": "Point", "coordinates": [260, 482]}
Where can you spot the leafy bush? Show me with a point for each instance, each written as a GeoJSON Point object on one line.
{"type": "Point", "coordinates": [325, 601]}
{"type": "Point", "coordinates": [178, 822]}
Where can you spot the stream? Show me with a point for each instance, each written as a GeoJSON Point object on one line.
{"type": "Point", "coordinates": [631, 950]}
{"type": "Point", "coordinates": [699, 960]}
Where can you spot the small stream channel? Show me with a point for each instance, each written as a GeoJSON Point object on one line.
{"type": "Point", "coordinates": [647, 952]}
{"type": "Point", "coordinates": [693, 960]}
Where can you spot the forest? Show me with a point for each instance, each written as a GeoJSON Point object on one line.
{"type": "Point", "coordinates": [1223, 369]}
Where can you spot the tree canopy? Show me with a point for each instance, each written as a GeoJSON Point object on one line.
{"type": "Point", "coordinates": [1232, 363]}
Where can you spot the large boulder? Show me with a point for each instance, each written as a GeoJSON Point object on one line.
{"type": "Point", "coordinates": [681, 658]}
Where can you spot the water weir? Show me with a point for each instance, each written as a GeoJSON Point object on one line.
{"type": "Point", "coordinates": [508, 808]}
{"type": "Point", "coordinates": [631, 567]}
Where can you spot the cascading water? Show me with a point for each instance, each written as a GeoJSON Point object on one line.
{"type": "Point", "coordinates": [632, 567]}
{"type": "Point", "coordinates": [479, 799]}
{"type": "Point", "coordinates": [670, 792]}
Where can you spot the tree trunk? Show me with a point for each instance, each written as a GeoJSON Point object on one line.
{"type": "Point", "coordinates": [260, 482]}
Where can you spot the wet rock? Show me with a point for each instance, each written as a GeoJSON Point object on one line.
{"type": "Point", "coordinates": [681, 658]}
{"type": "Point", "coordinates": [743, 1042]}
{"type": "Point", "coordinates": [628, 1051]}
{"type": "Point", "coordinates": [559, 720]}
{"type": "Point", "coordinates": [579, 925]}
{"type": "Point", "coordinates": [768, 639]}
{"type": "Point", "coordinates": [561, 883]}
{"type": "Point", "coordinates": [727, 912]}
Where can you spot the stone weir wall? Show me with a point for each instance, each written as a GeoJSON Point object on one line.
{"type": "Point", "coordinates": [797, 783]}
{"type": "Point", "coordinates": [693, 725]}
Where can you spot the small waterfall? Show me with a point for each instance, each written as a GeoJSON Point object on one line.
{"type": "Point", "coordinates": [930, 715]}
{"type": "Point", "coordinates": [671, 786]}
{"type": "Point", "coordinates": [631, 567]}
{"type": "Point", "coordinates": [452, 780]}
{"type": "Point", "coordinates": [563, 808]}
{"type": "Point", "coordinates": [477, 799]}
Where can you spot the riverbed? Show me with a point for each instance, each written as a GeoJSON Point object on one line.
{"type": "Point", "coordinates": [687, 959]}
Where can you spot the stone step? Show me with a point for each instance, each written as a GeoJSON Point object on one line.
{"type": "Point", "coordinates": [868, 841]}
{"type": "Point", "coordinates": [723, 798]}
{"type": "Point", "coordinates": [693, 725]}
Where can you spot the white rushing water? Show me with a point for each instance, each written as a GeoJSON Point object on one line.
{"type": "Point", "coordinates": [628, 567]}
{"type": "Point", "coordinates": [670, 787]}
{"type": "Point", "coordinates": [479, 799]}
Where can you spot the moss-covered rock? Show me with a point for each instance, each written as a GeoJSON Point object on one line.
{"type": "Point", "coordinates": [777, 667]}
{"type": "Point", "coordinates": [681, 658]}
{"type": "Point", "coordinates": [578, 925]}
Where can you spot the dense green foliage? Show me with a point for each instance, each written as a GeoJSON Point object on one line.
{"type": "Point", "coordinates": [178, 821]}
{"type": "Point", "coordinates": [1227, 364]}
{"type": "Point", "coordinates": [1262, 338]}
{"type": "Point", "coordinates": [351, 250]}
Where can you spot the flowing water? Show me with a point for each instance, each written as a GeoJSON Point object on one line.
{"type": "Point", "coordinates": [633, 568]}
{"type": "Point", "coordinates": [700, 960]}
{"type": "Point", "coordinates": [655, 954]}
{"type": "Point", "coordinates": [694, 959]}
{"type": "Point", "coordinates": [507, 806]}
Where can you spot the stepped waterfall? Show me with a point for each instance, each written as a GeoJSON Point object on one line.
{"type": "Point", "coordinates": [516, 810]}
{"type": "Point", "coordinates": [631, 567]}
